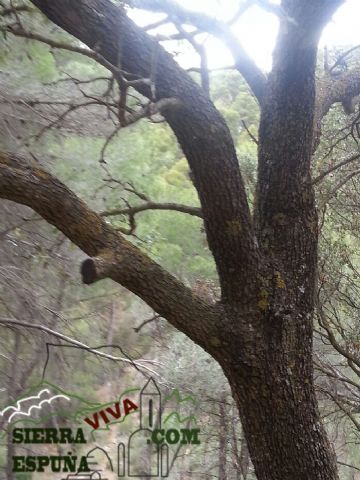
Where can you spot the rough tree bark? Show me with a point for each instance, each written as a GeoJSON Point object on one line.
{"type": "Point", "coordinates": [261, 330]}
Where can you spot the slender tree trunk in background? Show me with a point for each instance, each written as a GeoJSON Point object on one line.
{"type": "Point", "coordinates": [239, 451]}
{"type": "Point", "coordinates": [236, 451]}
{"type": "Point", "coordinates": [206, 458]}
{"type": "Point", "coordinates": [244, 459]}
{"type": "Point", "coordinates": [111, 325]}
{"type": "Point", "coordinates": [223, 436]}
{"type": "Point", "coordinates": [10, 452]}
{"type": "Point", "coordinates": [13, 390]}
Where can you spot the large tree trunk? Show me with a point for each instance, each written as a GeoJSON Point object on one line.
{"type": "Point", "coordinates": [223, 437]}
{"type": "Point", "coordinates": [274, 391]}
{"type": "Point", "coordinates": [283, 429]}
{"type": "Point", "coordinates": [280, 419]}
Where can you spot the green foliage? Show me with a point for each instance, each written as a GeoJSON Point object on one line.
{"type": "Point", "coordinates": [42, 61]}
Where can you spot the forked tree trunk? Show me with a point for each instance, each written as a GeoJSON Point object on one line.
{"type": "Point", "coordinates": [261, 331]}
{"type": "Point", "coordinates": [223, 438]}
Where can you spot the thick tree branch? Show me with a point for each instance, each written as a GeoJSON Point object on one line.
{"type": "Point", "coordinates": [243, 62]}
{"type": "Point", "coordinates": [111, 255]}
{"type": "Point", "coordinates": [285, 211]}
{"type": "Point", "coordinates": [200, 129]}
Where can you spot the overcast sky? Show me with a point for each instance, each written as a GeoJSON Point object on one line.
{"type": "Point", "coordinates": [257, 30]}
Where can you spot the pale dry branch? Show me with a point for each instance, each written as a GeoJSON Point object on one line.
{"type": "Point", "coordinates": [194, 211]}
{"type": "Point", "coordinates": [138, 364]}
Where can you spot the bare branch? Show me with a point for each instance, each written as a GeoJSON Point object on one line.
{"type": "Point", "coordinates": [243, 6]}
{"type": "Point", "coordinates": [218, 69]}
{"type": "Point", "coordinates": [200, 49]}
{"type": "Point", "coordinates": [345, 409]}
{"type": "Point", "coordinates": [129, 118]}
{"type": "Point", "coordinates": [342, 183]}
{"type": "Point", "coordinates": [159, 23]}
{"type": "Point", "coordinates": [145, 322]}
{"type": "Point", "coordinates": [348, 465]}
{"type": "Point", "coordinates": [332, 169]}
{"type": "Point", "coordinates": [276, 10]}
{"type": "Point", "coordinates": [253, 138]}
{"type": "Point", "coordinates": [137, 363]}
{"type": "Point", "coordinates": [195, 211]}
{"type": "Point", "coordinates": [244, 64]}
{"type": "Point", "coordinates": [13, 10]}
{"type": "Point", "coordinates": [331, 337]}
{"type": "Point", "coordinates": [341, 58]}
{"type": "Point", "coordinates": [19, 32]}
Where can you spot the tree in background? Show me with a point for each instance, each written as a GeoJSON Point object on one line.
{"type": "Point", "coordinates": [260, 332]}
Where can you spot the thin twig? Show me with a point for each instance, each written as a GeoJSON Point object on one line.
{"type": "Point", "coordinates": [65, 338]}
{"type": "Point", "coordinates": [253, 138]}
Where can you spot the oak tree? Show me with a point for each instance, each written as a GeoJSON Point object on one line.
{"type": "Point", "coordinates": [260, 332]}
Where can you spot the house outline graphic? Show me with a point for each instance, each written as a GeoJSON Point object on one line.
{"type": "Point", "coordinates": [151, 460]}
